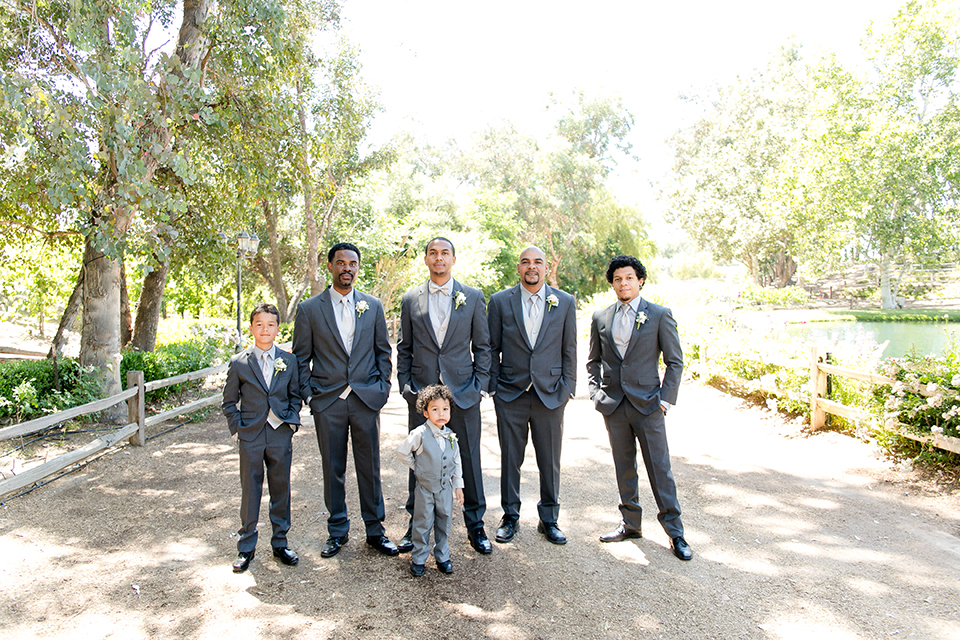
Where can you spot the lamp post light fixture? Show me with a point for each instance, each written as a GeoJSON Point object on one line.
{"type": "Point", "coordinates": [247, 244]}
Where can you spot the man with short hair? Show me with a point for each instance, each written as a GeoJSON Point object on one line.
{"type": "Point", "coordinates": [444, 339]}
{"type": "Point", "coordinates": [533, 336]}
{"type": "Point", "coordinates": [340, 339]}
{"type": "Point", "coordinates": [626, 342]}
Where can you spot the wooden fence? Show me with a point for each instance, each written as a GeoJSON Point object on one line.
{"type": "Point", "coordinates": [135, 429]}
{"type": "Point", "coordinates": [820, 405]}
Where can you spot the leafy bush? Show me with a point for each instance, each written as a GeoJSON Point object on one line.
{"type": "Point", "coordinates": [27, 388]}
{"type": "Point", "coordinates": [755, 295]}
{"type": "Point", "coordinates": [926, 395]}
{"type": "Point", "coordinates": [174, 359]}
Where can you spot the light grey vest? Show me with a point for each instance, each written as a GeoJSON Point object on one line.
{"type": "Point", "coordinates": [434, 468]}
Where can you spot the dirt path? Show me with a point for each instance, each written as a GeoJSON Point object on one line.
{"type": "Point", "coordinates": [793, 536]}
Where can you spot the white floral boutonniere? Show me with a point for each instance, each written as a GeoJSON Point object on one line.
{"type": "Point", "coordinates": [641, 318]}
{"type": "Point", "coordinates": [459, 300]}
{"type": "Point", "coordinates": [552, 301]}
{"type": "Point", "coordinates": [451, 437]}
{"type": "Point", "coordinates": [279, 365]}
{"type": "Point", "coordinates": [361, 307]}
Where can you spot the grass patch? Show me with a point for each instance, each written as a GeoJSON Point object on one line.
{"type": "Point", "coordinates": [895, 315]}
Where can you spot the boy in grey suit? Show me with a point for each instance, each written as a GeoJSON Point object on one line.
{"type": "Point", "coordinates": [264, 381]}
{"type": "Point", "coordinates": [626, 342]}
{"type": "Point", "coordinates": [432, 453]}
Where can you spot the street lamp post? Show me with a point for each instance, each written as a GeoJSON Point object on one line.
{"type": "Point", "coordinates": [247, 244]}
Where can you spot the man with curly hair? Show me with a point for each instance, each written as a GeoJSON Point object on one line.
{"type": "Point", "coordinates": [627, 340]}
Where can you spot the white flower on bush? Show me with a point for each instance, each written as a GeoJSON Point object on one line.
{"type": "Point", "coordinates": [898, 388]}
{"type": "Point", "coordinates": [935, 401]}
{"type": "Point", "coordinates": [891, 404]}
{"type": "Point", "coordinates": [955, 381]}
{"type": "Point", "coordinates": [891, 368]}
{"type": "Point", "coordinates": [931, 387]}
{"type": "Point", "coordinates": [937, 430]}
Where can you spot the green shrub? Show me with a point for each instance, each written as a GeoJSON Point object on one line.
{"type": "Point", "coordinates": [785, 296]}
{"type": "Point", "coordinates": [27, 388]}
{"type": "Point", "coordinates": [173, 359]}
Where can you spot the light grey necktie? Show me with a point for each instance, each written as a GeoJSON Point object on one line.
{"type": "Point", "coordinates": [622, 328]}
{"type": "Point", "coordinates": [266, 367]}
{"type": "Point", "coordinates": [347, 324]}
{"type": "Point", "coordinates": [533, 312]}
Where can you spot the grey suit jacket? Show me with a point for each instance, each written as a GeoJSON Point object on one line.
{"type": "Point", "coordinates": [325, 368]}
{"type": "Point", "coordinates": [246, 387]}
{"type": "Point", "coordinates": [551, 364]}
{"type": "Point", "coordinates": [636, 376]}
{"type": "Point", "coordinates": [464, 360]}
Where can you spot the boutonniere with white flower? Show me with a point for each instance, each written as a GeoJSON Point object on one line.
{"type": "Point", "coordinates": [552, 301]}
{"type": "Point", "coordinates": [361, 307]}
{"type": "Point", "coordinates": [279, 365]}
{"type": "Point", "coordinates": [459, 300]}
{"type": "Point", "coordinates": [451, 437]}
{"type": "Point", "coordinates": [641, 318]}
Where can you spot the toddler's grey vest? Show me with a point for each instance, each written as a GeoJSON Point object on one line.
{"type": "Point", "coordinates": [434, 468]}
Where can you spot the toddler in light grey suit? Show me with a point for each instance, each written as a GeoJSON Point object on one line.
{"type": "Point", "coordinates": [433, 453]}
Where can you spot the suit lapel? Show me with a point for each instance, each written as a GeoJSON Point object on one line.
{"type": "Point", "coordinates": [423, 311]}
{"type": "Point", "coordinates": [455, 313]}
{"type": "Point", "coordinates": [326, 311]}
{"type": "Point", "coordinates": [516, 303]}
{"type": "Point", "coordinates": [257, 371]}
{"type": "Point", "coordinates": [361, 318]}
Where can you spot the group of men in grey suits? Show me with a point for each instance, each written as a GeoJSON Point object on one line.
{"type": "Point", "coordinates": [522, 352]}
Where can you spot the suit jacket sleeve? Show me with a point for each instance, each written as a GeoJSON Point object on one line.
{"type": "Point", "coordinates": [495, 326]}
{"type": "Point", "coordinates": [231, 396]}
{"type": "Point", "coordinates": [382, 349]}
{"type": "Point", "coordinates": [303, 350]}
{"type": "Point", "coordinates": [594, 359]}
{"type": "Point", "coordinates": [569, 346]}
{"type": "Point", "coordinates": [481, 343]}
{"type": "Point", "coordinates": [669, 339]}
{"type": "Point", "coordinates": [293, 387]}
{"type": "Point", "coordinates": [405, 344]}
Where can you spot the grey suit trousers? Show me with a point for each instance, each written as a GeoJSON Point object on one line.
{"type": "Point", "coordinates": [273, 448]}
{"type": "Point", "coordinates": [626, 426]}
{"type": "Point", "coordinates": [515, 419]}
{"type": "Point", "coordinates": [351, 420]}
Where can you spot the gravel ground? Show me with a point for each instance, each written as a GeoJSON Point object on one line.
{"type": "Point", "coordinates": [794, 536]}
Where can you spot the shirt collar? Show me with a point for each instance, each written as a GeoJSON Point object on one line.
{"type": "Point", "coordinates": [447, 286]}
{"type": "Point", "coordinates": [633, 304]}
{"type": "Point", "coordinates": [434, 429]}
{"type": "Point", "coordinates": [336, 296]}
{"type": "Point", "coordinates": [259, 352]}
{"type": "Point", "coordinates": [527, 295]}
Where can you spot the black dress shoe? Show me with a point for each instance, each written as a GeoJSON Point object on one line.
{"type": "Point", "coordinates": [681, 549]}
{"type": "Point", "coordinates": [445, 567]}
{"type": "Point", "coordinates": [332, 546]}
{"type": "Point", "coordinates": [383, 545]}
{"type": "Point", "coordinates": [406, 543]}
{"type": "Point", "coordinates": [621, 533]}
{"type": "Point", "coordinates": [242, 562]}
{"type": "Point", "coordinates": [507, 529]}
{"type": "Point", "coordinates": [551, 532]}
{"type": "Point", "coordinates": [479, 541]}
{"type": "Point", "coordinates": [286, 556]}
{"type": "Point", "coordinates": [416, 570]}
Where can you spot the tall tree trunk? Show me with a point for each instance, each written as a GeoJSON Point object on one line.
{"type": "Point", "coordinates": [148, 310]}
{"type": "Point", "coordinates": [886, 296]}
{"type": "Point", "coordinates": [279, 288]}
{"type": "Point", "coordinates": [310, 222]}
{"type": "Point", "coordinates": [68, 318]}
{"type": "Point", "coordinates": [100, 336]}
{"type": "Point", "coordinates": [126, 320]}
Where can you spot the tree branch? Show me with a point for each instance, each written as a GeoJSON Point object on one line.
{"type": "Point", "coordinates": [41, 232]}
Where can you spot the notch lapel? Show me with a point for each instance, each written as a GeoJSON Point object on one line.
{"type": "Point", "coordinates": [257, 371]}
{"type": "Point", "coordinates": [606, 329]}
{"type": "Point", "coordinates": [423, 311]}
{"type": "Point", "coordinates": [455, 313]}
{"type": "Point", "coordinates": [516, 303]}
{"type": "Point", "coordinates": [634, 331]}
{"type": "Point", "coordinates": [326, 311]}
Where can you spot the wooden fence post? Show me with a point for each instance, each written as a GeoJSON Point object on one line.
{"type": "Point", "coordinates": [818, 389]}
{"type": "Point", "coordinates": [136, 409]}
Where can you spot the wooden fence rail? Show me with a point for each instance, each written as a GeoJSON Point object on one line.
{"type": "Point", "coordinates": [135, 430]}
{"type": "Point", "coordinates": [820, 405]}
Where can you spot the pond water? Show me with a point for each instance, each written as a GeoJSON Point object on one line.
{"type": "Point", "coordinates": [927, 337]}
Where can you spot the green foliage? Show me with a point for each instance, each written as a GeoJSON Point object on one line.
{"type": "Point", "coordinates": [754, 295]}
{"type": "Point", "coordinates": [926, 394]}
{"type": "Point", "coordinates": [27, 387]}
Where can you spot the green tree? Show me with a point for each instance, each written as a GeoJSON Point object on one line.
{"type": "Point", "coordinates": [877, 178]}
{"type": "Point", "coordinates": [723, 189]}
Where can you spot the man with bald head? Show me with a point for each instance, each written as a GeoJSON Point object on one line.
{"type": "Point", "coordinates": [533, 337]}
